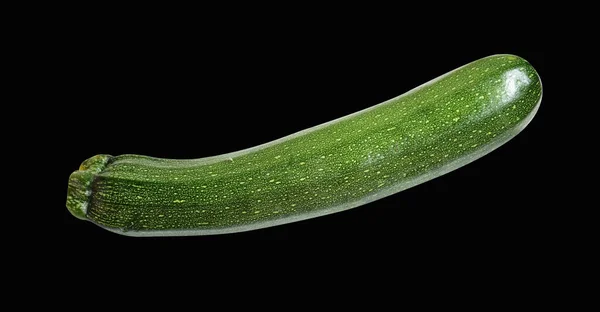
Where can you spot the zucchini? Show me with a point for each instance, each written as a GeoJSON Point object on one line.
{"type": "Point", "coordinates": [415, 137]}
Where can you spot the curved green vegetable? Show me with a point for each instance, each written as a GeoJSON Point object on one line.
{"type": "Point", "coordinates": [422, 134]}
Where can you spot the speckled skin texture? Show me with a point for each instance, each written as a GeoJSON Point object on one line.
{"type": "Point", "coordinates": [348, 162]}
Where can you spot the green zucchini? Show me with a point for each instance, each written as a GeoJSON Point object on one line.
{"type": "Point", "coordinates": [415, 137]}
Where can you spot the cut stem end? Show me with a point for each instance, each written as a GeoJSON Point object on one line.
{"type": "Point", "coordinates": [80, 185]}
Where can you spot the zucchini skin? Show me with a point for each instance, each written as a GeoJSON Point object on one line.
{"type": "Point", "coordinates": [415, 137]}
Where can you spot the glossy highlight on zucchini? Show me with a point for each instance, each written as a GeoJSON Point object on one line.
{"type": "Point", "coordinates": [410, 139]}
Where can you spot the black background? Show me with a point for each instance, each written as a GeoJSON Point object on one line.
{"type": "Point", "coordinates": [173, 96]}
